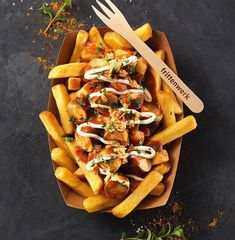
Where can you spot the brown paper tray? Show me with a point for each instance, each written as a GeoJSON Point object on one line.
{"type": "Point", "coordinates": [72, 199]}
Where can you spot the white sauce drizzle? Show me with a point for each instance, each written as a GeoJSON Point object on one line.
{"type": "Point", "coordinates": [135, 177]}
{"type": "Point", "coordinates": [142, 151]}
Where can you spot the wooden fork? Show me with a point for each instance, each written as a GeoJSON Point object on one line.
{"type": "Point", "coordinates": [117, 22]}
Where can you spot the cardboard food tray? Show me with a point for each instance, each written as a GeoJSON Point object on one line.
{"type": "Point", "coordinates": [72, 199]}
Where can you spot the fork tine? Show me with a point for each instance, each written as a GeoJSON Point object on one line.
{"type": "Point", "coordinates": [105, 9]}
{"type": "Point", "coordinates": [100, 15]}
{"type": "Point", "coordinates": [112, 6]}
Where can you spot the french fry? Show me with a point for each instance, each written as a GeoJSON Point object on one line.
{"type": "Point", "coordinates": [67, 70]}
{"type": "Point", "coordinates": [177, 107]}
{"type": "Point", "coordinates": [163, 168]}
{"type": "Point", "coordinates": [153, 81]}
{"type": "Point", "coordinates": [79, 173]}
{"type": "Point", "coordinates": [158, 190]}
{"type": "Point", "coordinates": [72, 95]}
{"type": "Point", "coordinates": [62, 99]}
{"type": "Point", "coordinates": [173, 132]}
{"type": "Point", "coordinates": [74, 83]}
{"type": "Point", "coordinates": [54, 130]}
{"type": "Point", "coordinates": [144, 32]}
{"type": "Point", "coordinates": [167, 106]}
{"type": "Point", "coordinates": [92, 176]}
{"type": "Point", "coordinates": [65, 176]}
{"type": "Point", "coordinates": [143, 189]}
{"type": "Point", "coordinates": [160, 157]}
{"type": "Point", "coordinates": [141, 66]}
{"type": "Point", "coordinates": [116, 41]}
{"type": "Point", "coordinates": [95, 37]}
{"type": "Point", "coordinates": [98, 63]}
{"type": "Point", "coordinates": [60, 157]}
{"type": "Point", "coordinates": [81, 38]}
{"type": "Point", "coordinates": [99, 202]}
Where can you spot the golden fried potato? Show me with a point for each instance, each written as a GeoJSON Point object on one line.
{"type": "Point", "coordinates": [119, 136]}
{"type": "Point", "coordinates": [67, 70]}
{"type": "Point", "coordinates": [76, 111]}
{"type": "Point", "coordinates": [84, 142]}
{"type": "Point", "coordinates": [160, 157]}
{"type": "Point", "coordinates": [163, 168]}
{"type": "Point", "coordinates": [98, 63]}
{"type": "Point", "coordinates": [158, 190]}
{"type": "Point", "coordinates": [98, 203]}
{"type": "Point", "coordinates": [81, 39]}
{"type": "Point", "coordinates": [65, 176]}
{"type": "Point", "coordinates": [116, 41]}
{"type": "Point", "coordinates": [144, 32]}
{"type": "Point", "coordinates": [141, 66]}
{"type": "Point", "coordinates": [143, 189]}
{"type": "Point", "coordinates": [95, 37]}
{"type": "Point", "coordinates": [174, 131]}
{"type": "Point", "coordinates": [80, 174]}
{"type": "Point", "coordinates": [74, 83]}
{"type": "Point", "coordinates": [62, 99]}
{"type": "Point", "coordinates": [54, 130]}
{"type": "Point", "coordinates": [60, 157]}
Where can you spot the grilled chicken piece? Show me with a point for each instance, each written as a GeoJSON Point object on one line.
{"type": "Point", "coordinates": [117, 186]}
{"type": "Point", "coordinates": [139, 164]}
{"type": "Point", "coordinates": [132, 100]}
{"type": "Point", "coordinates": [117, 136]}
{"type": "Point", "coordinates": [76, 111]}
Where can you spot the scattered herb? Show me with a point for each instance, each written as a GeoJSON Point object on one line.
{"type": "Point", "coordinates": [132, 69]}
{"type": "Point", "coordinates": [142, 87]}
{"type": "Point", "coordinates": [81, 118]}
{"type": "Point", "coordinates": [129, 96]}
{"type": "Point", "coordinates": [157, 119]}
{"type": "Point", "coordinates": [114, 106]}
{"type": "Point", "coordinates": [140, 142]}
{"type": "Point", "coordinates": [68, 139]}
{"type": "Point", "coordinates": [166, 233]}
{"type": "Point", "coordinates": [80, 102]}
{"type": "Point", "coordinates": [98, 75]}
{"type": "Point", "coordinates": [72, 118]}
{"type": "Point", "coordinates": [53, 18]}
{"type": "Point", "coordinates": [137, 102]}
{"type": "Point", "coordinates": [107, 58]}
{"type": "Point", "coordinates": [100, 48]}
{"type": "Point", "coordinates": [103, 91]}
{"type": "Point", "coordinates": [127, 60]}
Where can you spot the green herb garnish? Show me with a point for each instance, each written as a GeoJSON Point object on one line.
{"type": "Point", "coordinates": [100, 48]}
{"type": "Point", "coordinates": [80, 102]}
{"type": "Point", "coordinates": [140, 142]}
{"type": "Point", "coordinates": [53, 18]}
{"type": "Point", "coordinates": [166, 233]}
{"type": "Point", "coordinates": [137, 102]}
{"type": "Point", "coordinates": [131, 69]}
{"type": "Point", "coordinates": [98, 75]}
{"type": "Point", "coordinates": [72, 118]}
{"type": "Point", "coordinates": [68, 139]}
{"type": "Point", "coordinates": [103, 91]}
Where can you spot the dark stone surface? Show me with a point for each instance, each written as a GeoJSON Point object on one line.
{"type": "Point", "coordinates": [202, 35]}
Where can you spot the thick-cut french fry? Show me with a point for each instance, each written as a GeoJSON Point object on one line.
{"type": "Point", "coordinates": [60, 157]}
{"type": "Point", "coordinates": [167, 106]}
{"type": "Point", "coordinates": [116, 41]}
{"type": "Point", "coordinates": [177, 107]}
{"type": "Point", "coordinates": [82, 37]}
{"type": "Point", "coordinates": [153, 81]}
{"type": "Point", "coordinates": [158, 190]}
{"type": "Point", "coordinates": [54, 130]}
{"type": "Point", "coordinates": [163, 168]}
{"type": "Point", "coordinates": [95, 37]}
{"type": "Point", "coordinates": [92, 176]}
{"type": "Point", "coordinates": [99, 202]}
{"type": "Point", "coordinates": [98, 62]}
{"type": "Point", "coordinates": [65, 176]}
{"type": "Point", "coordinates": [160, 157]}
{"type": "Point", "coordinates": [143, 189]}
{"type": "Point", "coordinates": [62, 99]}
{"type": "Point", "coordinates": [174, 131]}
{"type": "Point", "coordinates": [144, 32]}
{"type": "Point", "coordinates": [141, 66]}
{"type": "Point", "coordinates": [67, 70]}
{"type": "Point", "coordinates": [74, 83]}
{"type": "Point", "coordinates": [79, 173]}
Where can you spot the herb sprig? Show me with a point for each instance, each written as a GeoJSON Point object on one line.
{"type": "Point", "coordinates": [53, 18]}
{"type": "Point", "coordinates": [166, 233]}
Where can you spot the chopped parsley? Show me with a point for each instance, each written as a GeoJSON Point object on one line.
{"type": "Point", "coordinates": [114, 106]}
{"type": "Point", "coordinates": [140, 142]}
{"type": "Point", "coordinates": [127, 60]}
{"type": "Point", "coordinates": [129, 96]}
{"type": "Point", "coordinates": [137, 102]}
{"type": "Point", "coordinates": [157, 119]}
{"type": "Point", "coordinates": [81, 102]}
{"type": "Point", "coordinates": [131, 69]}
{"type": "Point", "coordinates": [107, 58]}
{"type": "Point", "coordinates": [81, 118]}
{"type": "Point", "coordinates": [103, 91]}
{"type": "Point", "coordinates": [100, 48]}
{"type": "Point", "coordinates": [98, 75]}
{"type": "Point", "coordinates": [72, 118]}
{"type": "Point", "coordinates": [68, 139]}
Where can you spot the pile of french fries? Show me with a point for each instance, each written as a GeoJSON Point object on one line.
{"type": "Point", "coordinates": [72, 151]}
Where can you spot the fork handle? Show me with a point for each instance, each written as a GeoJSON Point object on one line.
{"type": "Point", "coordinates": [175, 83]}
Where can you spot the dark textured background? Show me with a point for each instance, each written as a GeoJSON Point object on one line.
{"type": "Point", "coordinates": [201, 34]}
